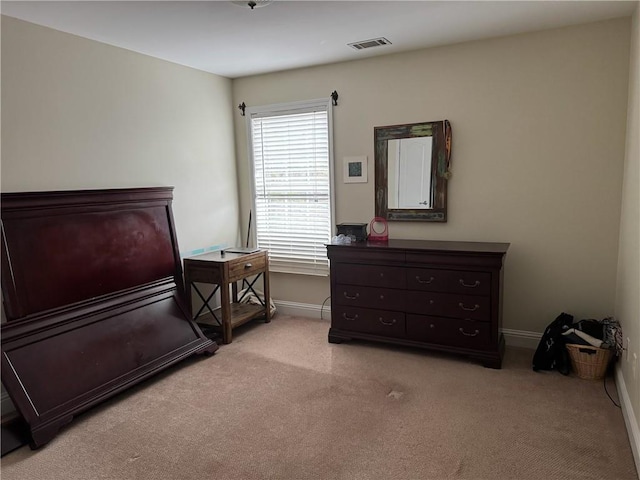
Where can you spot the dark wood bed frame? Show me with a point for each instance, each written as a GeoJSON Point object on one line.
{"type": "Point", "coordinates": [94, 299]}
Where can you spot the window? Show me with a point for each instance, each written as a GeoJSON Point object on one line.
{"type": "Point", "coordinates": [291, 156]}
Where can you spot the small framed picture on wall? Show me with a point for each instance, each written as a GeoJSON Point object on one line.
{"type": "Point", "coordinates": [355, 169]}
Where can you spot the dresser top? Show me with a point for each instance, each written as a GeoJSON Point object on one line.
{"type": "Point", "coordinates": [430, 245]}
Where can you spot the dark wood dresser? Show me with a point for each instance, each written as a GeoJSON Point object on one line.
{"type": "Point", "coordinates": [432, 294]}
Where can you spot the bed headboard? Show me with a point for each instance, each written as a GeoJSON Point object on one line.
{"type": "Point", "coordinates": [68, 247]}
{"type": "Point", "coordinates": [94, 299]}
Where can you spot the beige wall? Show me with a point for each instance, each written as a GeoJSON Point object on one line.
{"type": "Point", "coordinates": [538, 150]}
{"type": "Point", "coordinates": [78, 114]}
{"type": "Point", "coordinates": [627, 307]}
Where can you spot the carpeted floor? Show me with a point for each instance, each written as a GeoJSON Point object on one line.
{"type": "Point", "coordinates": [282, 403]}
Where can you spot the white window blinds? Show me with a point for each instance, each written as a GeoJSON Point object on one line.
{"type": "Point", "coordinates": [291, 147]}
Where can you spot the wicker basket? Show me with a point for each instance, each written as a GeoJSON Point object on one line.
{"type": "Point", "coordinates": [589, 363]}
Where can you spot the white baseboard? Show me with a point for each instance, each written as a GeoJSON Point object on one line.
{"type": "Point", "coordinates": [303, 309]}
{"type": "Point", "coordinates": [630, 419]}
{"type": "Point", "coordinates": [521, 338]}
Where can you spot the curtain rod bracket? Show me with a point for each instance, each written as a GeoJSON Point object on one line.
{"type": "Point", "coordinates": [334, 97]}
{"type": "Point", "coordinates": [242, 106]}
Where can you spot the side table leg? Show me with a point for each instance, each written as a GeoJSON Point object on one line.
{"type": "Point", "coordinates": [234, 292]}
{"type": "Point", "coordinates": [267, 294]}
{"type": "Point", "coordinates": [226, 313]}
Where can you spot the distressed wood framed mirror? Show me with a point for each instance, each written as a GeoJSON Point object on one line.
{"type": "Point", "coordinates": [412, 164]}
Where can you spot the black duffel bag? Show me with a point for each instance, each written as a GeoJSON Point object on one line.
{"type": "Point", "coordinates": [551, 353]}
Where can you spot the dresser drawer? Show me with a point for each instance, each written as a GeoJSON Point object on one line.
{"type": "Point", "coordinates": [368, 297]}
{"type": "Point", "coordinates": [450, 281]}
{"type": "Point", "coordinates": [370, 275]}
{"type": "Point", "coordinates": [449, 305]}
{"type": "Point", "coordinates": [376, 322]}
{"type": "Point", "coordinates": [449, 331]}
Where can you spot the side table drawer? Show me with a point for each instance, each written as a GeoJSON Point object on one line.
{"type": "Point", "coordinates": [202, 272]}
{"type": "Point", "coordinates": [248, 265]}
{"type": "Point", "coordinates": [376, 322]}
{"type": "Point", "coordinates": [449, 331]}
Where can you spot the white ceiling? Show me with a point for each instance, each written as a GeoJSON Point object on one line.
{"type": "Point", "coordinates": [235, 41]}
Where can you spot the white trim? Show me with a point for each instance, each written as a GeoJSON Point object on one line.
{"type": "Point", "coordinates": [332, 170]}
{"type": "Point", "coordinates": [303, 309]}
{"type": "Point", "coordinates": [521, 338]}
{"type": "Point", "coordinates": [629, 415]}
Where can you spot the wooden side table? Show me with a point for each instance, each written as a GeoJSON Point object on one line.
{"type": "Point", "coordinates": [224, 269]}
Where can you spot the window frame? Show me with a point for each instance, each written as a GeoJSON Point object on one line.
{"type": "Point", "coordinates": [279, 109]}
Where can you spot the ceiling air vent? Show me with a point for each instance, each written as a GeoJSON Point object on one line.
{"type": "Point", "coordinates": [376, 42]}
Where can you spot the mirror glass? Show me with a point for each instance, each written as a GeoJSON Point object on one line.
{"type": "Point", "coordinates": [412, 169]}
{"type": "Point", "coordinates": [409, 172]}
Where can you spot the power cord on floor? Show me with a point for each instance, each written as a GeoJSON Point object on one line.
{"type": "Point", "coordinates": [605, 389]}
{"type": "Point", "coordinates": [322, 307]}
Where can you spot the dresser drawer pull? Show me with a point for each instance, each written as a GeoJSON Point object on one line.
{"type": "Point", "coordinates": [351, 298]}
{"type": "Point", "coordinates": [426, 282]}
{"type": "Point", "coordinates": [461, 330]}
{"type": "Point", "coordinates": [247, 265]}
{"type": "Point", "coordinates": [393, 320]}
{"type": "Point", "coordinates": [469, 309]}
{"type": "Point", "coordinates": [346, 317]}
{"type": "Point", "coordinates": [472, 285]}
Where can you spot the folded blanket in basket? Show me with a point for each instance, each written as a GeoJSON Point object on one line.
{"type": "Point", "coordinates": [581, 338]}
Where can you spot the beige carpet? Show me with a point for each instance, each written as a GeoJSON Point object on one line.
{"type": "Point", "coordinates": [282, 403]}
